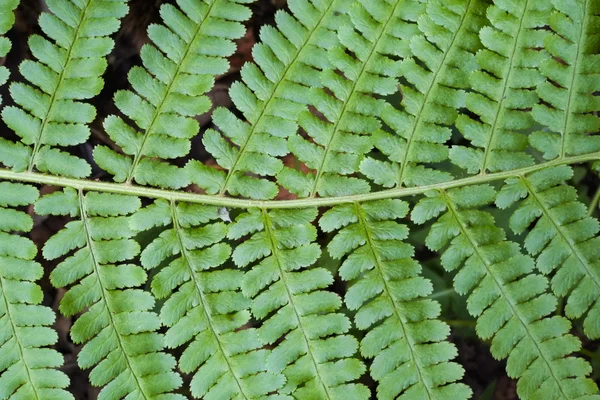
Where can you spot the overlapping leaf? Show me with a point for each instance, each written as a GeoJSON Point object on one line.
{"type": "Point", "coordinates": [438, 76]}
{"type": "Point", "coordinates": [7, 19]}
{"type": "Point", "coordinates": [504, 88]}
{"type": "Point", "coordinates": [363, 66]}
{"type": "Point", "coordinates": [572, 79]}
{"type": "Point", "coordinates": [563, 237]}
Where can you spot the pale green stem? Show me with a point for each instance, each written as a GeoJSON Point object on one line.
{"type": "Point", "coordinates": [82, 184]}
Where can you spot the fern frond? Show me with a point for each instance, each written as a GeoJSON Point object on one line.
{"type": "Point", "coordinates": [443, 99]}
{"type": "Point", "coordinates": [503, 88]}
{"type": "Point", "coordinates": [572, 78]}
{"type": "Point", "coordinates": [69, 69]}
{"type": "Point", "coordinates": [274, 92]}
{"type": "Point", "coordinates": [438, 74]}
{"type": "Point", "coordinates": [507, 297]}
{"type": "Point", "coordinates": [408, 344]}
{"type": "Point", "coordinates": [205, 310]}
{"type": "Point", "coordinates": [563, 237]}
{"type": "Point", "coordinates": [336, 145]}
{"type": "Point", "coordinates": [117, 325]}
{"type": "Point", "coordinates": [7, 19]}
{"type": "Point", "coordinates": [180, 66]}
{"type": "Point", "coordinates": [300, 319]}
{"type": "Point", "coordinates": [26, 363]}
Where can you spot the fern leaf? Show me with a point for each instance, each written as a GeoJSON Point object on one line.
{"type": "Point", "coordinates": [407, 342]}
{"type": "Point", "coordinates": [359, 95]}
{"type": "Point", "coordinates": [117, 326]}
{"type": "Point", "coordinates": [508, 299]}
{"type": "Point", "coordinates": [337, 144]}
{"type": "Point", "coordinates": [564, 238]}
{"type": "Point", "coordinates": [205, 309]}
{"type": "Point", "coordinates": [572, 77]}
{"type": "Point", "coordinates": [438, 74]}
{"type": "Point", "coordinates": [68, 70]}
{"type": "Point", "coordinates": [274, 92]}
{"type": "Point", "coordinates": [180, 65]}
{"type": "Point", "coordinates": [26, 363]}
{"type": "Point", "coordinates": [503, 88]}
{"type": "Point", "coordinates": [312, 347]}
{"type": "Point", "coordinates": [7, 19]}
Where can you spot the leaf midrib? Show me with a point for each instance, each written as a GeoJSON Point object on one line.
{"type": "Point", "coordinates": [353, 91]}
{"type": "Point", "coordinates": [283, 277]}
{"type": "Point", "coordinates": [572, 246]}
{"type": "Point", "coordinates": [170, 195]}
{"type": "Point", "coordinates": [509, 77]}
{"type": "Point", "coordinates": [575, 78]}
{"type": "Point", "coordinates": [388, 293]}
{"type": "Point", "coordinates": [436, 77]}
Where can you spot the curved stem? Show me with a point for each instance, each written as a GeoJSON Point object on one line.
{"type": "Point", "coordinates": [83, 184]}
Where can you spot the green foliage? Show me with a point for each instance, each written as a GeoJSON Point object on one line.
{"type": "Point", "coordinates": [207, 311]}
{"type": "Point", "coordinates": [411, 356]}
{"type": "Point", "coordinates": [7, 19]}
{"type": "Point", "coordinates": [312, 347]}
{"type": "Point", "coordinates": [118, 326]}
{"type": "Point", "coordinates": [180, 65]}
{"type": "Point", "coordinates": [480, 108]}
{"type": "Point", "coordinates": [504, 88]}
{"type": "Point", "coordinates": [438, 75]}
{"type": "Point", "coordinates": [274, 92]}
{"type": "Point", "coordinates": [564, 238]}
{"type": "Point", "coordinates": [335, 146]}
{"type": "Point", "coordinates": [68, 69]}
{"type": "Point", "coordinates": [508, 298]}
{"type": "Point", "coordinates": [572, 76]}
{"type": "Point", "coordinates": [26, 361]}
